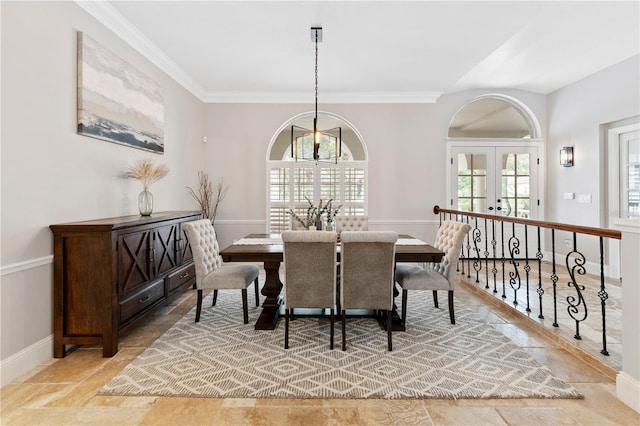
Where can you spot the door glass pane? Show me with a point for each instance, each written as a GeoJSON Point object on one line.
{"type": "Point", "coordinates": [472, 182]}
{"type": "Point", "coordinates": [634, 176]}
{"type": "Point", "coordinates": [516, 185]}
{"type": "Point", "coordinates": [634, 151]}
{"type": "Point", "coordinates": [464, 186]}
{"type": "Point", "coordinates": [630, 167]}
{"type": "Point", "coordinates": [508, 165]}
{"type": "Point", "coordinates": [634, 204]}
{"type": "Point", "coordinates": [480, 186]}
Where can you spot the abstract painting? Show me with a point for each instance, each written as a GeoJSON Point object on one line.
{"type": "Point", "coordinates": [116, 102]}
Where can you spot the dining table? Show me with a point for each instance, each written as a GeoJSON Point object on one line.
{"type": "Point", "coordinates": [268, 250]}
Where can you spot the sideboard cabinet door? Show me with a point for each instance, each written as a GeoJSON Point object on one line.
{"type": "Point", "coordinates": [111, 273]}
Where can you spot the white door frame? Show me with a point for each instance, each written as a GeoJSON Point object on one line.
{"type": "Point", "coordinates": [612, 210]}
{"type": "Point", "coordinates": [502, 143]}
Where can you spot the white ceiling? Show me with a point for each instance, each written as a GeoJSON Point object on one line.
{"type": "Point", "coordinates": [381, 51]}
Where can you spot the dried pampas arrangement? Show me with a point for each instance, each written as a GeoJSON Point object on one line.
{"type": "Point", "coordinates": [206, 198]}
{"type": "Point", "coordinates": [147, 171]}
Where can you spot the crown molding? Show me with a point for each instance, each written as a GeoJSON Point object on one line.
{"type": "Point", "coordinates": [330, 98]}
{"type": "Point", "coordinates": [104, 13]}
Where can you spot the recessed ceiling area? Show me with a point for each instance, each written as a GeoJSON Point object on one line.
{"type": "Point", "coordinates": [379, 51]}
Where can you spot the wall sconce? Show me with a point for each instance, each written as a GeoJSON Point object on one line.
{"type": "Point", "coordinates": [566, 156]}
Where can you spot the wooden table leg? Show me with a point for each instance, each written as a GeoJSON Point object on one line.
{"type": "Point", "coordinates": [271, 290]}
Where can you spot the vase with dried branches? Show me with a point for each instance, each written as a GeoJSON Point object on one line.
{"type": "Point", "coordinates": [147, 172]}
{"type": "Point", "coordinates": [207, 197]}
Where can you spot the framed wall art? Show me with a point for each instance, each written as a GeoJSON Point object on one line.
{"type": "Point", "coordinates": [117, 102]}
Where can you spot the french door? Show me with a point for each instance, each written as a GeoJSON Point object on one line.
{"type": "Point", "coordinates": [500, 180]}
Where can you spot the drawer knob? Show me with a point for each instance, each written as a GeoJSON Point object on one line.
{"type": "Point", "coordinates": [185, 275]}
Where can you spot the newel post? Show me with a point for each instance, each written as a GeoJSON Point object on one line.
{"type": "Point", "coordinates": [628, 380]}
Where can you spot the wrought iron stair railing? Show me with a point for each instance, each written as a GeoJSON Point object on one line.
{"type": "Point", "coordinates": [508, 254]}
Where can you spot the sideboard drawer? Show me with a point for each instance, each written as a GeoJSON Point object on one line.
{"type": "Point", "coordinates": [139, 301]}
{"type": "Point", "coordinates": [181, 277]}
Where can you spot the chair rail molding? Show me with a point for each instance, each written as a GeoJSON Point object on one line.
{"type": "Point", "coordinates": [12, 268]}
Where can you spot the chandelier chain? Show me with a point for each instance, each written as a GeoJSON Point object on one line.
{"type": "Point", "coordinates": [316, 73]}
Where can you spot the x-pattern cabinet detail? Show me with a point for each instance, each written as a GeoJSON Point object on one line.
{"type": "Point", "coordinates": [111, 273]}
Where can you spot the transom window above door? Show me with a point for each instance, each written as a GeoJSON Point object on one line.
{"type": "Point", "coordinates": [494, 151]}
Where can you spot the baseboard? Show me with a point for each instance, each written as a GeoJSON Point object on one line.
{"type": "Point", "coordinates": [21, 363]}
{"type": "Point", "coordinates": [628, 390]}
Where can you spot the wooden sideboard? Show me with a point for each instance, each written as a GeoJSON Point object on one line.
{"type": "Point", "coordinates": [111, 273]}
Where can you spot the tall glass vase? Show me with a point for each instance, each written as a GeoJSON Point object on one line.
{"type": "Point", "coordinates": [145, 202]}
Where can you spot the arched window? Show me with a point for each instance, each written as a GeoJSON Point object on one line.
{"type": "Point", "coordinates": [495, 149]}
{"type": "Point", "coordinates": [291, 182]}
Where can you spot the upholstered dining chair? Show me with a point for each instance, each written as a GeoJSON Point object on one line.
{"type": "Point", "coordinates": [367, 261]}
{"type": "Point", "coordinates": [211, 274]}
{"type": "Point", "coordinates": [310, 274]}
{"type": "Point", "coordinates": [352, 223]}
{"type": "Point", "coordinates": [436, 276]}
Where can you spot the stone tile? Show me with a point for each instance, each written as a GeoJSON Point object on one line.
{"type": "Point", "coordinates": [182, 411]}
{"type": "Point", "coordinates": [250, 416]}
{"type": "Point", "coordinates": [469, 416]}
{"type": "Point", "coordinates": [565, 365]}
{"type": "Point", "coordinates": [520, 336]}
{"type": "Point", "coordinates": [86, 390]}
{"type": "Point", "coordinates": [310, 416]}
{"type": "Point", "coordinates": [401, 412]}
{"type": "Point", "coordinates": [31, 395]}
{"type": "Point", "coordinates": [73, 368]}
{"type": "Point", "coordinates": [81, 416]}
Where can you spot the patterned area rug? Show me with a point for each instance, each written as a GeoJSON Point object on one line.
{"type": "Point", "coordinates": [222, 357]}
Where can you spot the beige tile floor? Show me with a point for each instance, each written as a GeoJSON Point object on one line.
{"type": "Point", "coordinates": [64, 391]}
{"type": "Point", "coordinates": [591, 340]}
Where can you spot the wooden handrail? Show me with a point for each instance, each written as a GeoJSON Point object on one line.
{"type": "Point", "coordinates": [600, 232]}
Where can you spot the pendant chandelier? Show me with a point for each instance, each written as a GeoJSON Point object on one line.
{"type": "Point", "coordinates": [316, 145]}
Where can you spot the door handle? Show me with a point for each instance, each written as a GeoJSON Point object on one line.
{"type": "Point", "coordinates": [490, 208]}
{"type": "Point", "coordinates": [498, 200]}
{"type": "Point", "coordinates": [498, 208]}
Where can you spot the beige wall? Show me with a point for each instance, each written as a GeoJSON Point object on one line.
{"type": "Point", "coordinates": [52, 175]}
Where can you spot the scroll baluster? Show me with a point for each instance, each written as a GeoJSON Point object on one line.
{"type": "Point", "coordinates": [477, 238]}
{"type": "Point", "coordinates": [577, 302]}
{"type": "Point", "coordinates": [514, 276]}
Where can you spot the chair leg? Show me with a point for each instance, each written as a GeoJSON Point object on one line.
{"type": "Point", "coordinates": [199, 305]}
{"type": "Point", "coordinates": [389, 327]}
{"type": "Point", "coordinates": [404, 306]}
{"type": "Point", "coordinates": [344, 336]}
{"type": "Point", "coordinates": [332, 327]}
{"type": "Point", "coordinates": [257, 288]}
{"type": "Point", "coordinates": [245, 310]}
{"type": "Point", "coordinates": [452, 315]}
{"type": "Point", "coordinates": [435, 298]}
{"type": "Point", "coordinates": [215, 297]}
{"type": "Point", "coordinates": [287, 313]}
